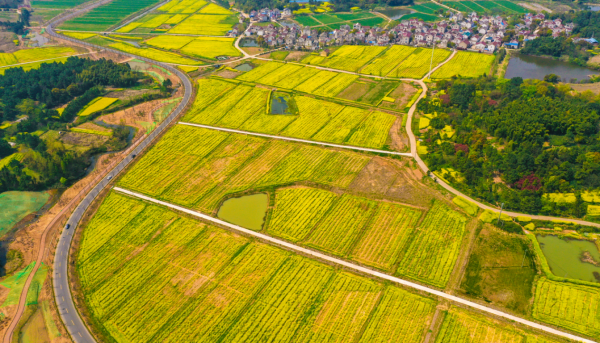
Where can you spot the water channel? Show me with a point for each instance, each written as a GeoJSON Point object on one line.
{"type": "Point", "coordinates": [564, 255]}
{"type": "Point", "coordinates": [534, 67]}
{"type": "Point", "coordinates": [246, 211]}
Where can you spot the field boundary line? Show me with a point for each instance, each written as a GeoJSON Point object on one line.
{"type": "Point", "coordinates": [349, 147]}
{"type": "Point", "coordinates": [355, 267]}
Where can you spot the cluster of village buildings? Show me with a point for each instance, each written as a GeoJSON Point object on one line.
{"type": "Point", "coordinates": [465, 32]}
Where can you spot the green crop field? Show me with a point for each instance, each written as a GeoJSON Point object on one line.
{"type": "Point", "coordinates": [433, 251]}
{"type": "Point", "coordinates": [106, 16]}
{"type": "Point", "coordinates": [571, 306]}
{"type": "Point", "coordinates": [386, 235]}
{"type": "Point", "coordinates": [388, 61]}
{"type": "Point", "coordinates": [149, 274]}
{"type": "Point", "coordinates": [465, 64]}
{"type": "Point", "coordinates": [348, 57]}
{"type": "Point", "coordinates": [464, 326]}
{"type": "Point", "coordinates": [337, 232]}
{"type": "Point", "coordinates": [157, 55]}
{"type": "Point", "coordinates": [245, 107]}
{"type": "Point", "coordinates": [418, 63]}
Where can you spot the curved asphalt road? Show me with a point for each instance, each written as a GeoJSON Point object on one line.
{"type": "Point", "coordinates": [62, 292]}
{"type": "Point", "coordinates": [64, 300]}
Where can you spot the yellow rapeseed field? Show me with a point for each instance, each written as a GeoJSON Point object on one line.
{"type": "Point", "coordinates": [96, 105]}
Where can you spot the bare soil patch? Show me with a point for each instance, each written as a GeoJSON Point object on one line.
{"type": "Point", "coordinates": [399, 139]}
{"type": "Point", "coordinates": [593, 87]}
{"type": "Point", "coordinates": [228, 74]}
{"type": "Point", "coordinates": [402, 95]}
{"type": "Point", "coordinates": [376, 177]}
{"type": "Point", "coordinates": [83, 139]}
{"type": "Point", "coordinates": [296, 56]}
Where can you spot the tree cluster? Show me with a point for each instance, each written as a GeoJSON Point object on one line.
{"type": "Point", "coordinates": [515, 141]}
{"type": "Point", "coordinates": [338, 5]}
{"type": "Point", "coordinates": [33, 93]}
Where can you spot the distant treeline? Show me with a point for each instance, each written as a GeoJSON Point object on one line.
{"type": "Point", "coordinates": [338, 5]}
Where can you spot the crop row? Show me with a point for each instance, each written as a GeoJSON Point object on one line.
{"type": "Point", "coordinates": [205, 24]}
{"type": "Point", "coordinates": [183, 6]}
{"type": "Point", "coordinates": [574, 307]}
{"type": "Point", "coordinates": [37, 54]}
{"type": "Point", "coordinates": [388, 61]}
{"type": "Point", "coordinates": [465, 64]}
{"type": "Point", "coordinates": [176, 279]}
{"type": "Point", "coordinates": [245, 107]}
{"type": "Point", "coordinates": [419, 62]}
{"type": "Point", "coordinates": [434, 248]}
{"type": "Point", "coordinates": [461, 326]}
{"type": "Point", "coordinates": [103, 17]}
{"type": "Point", "coordinates": [157, 55]}
{"type": "Point", "coordinates": [348, 57]}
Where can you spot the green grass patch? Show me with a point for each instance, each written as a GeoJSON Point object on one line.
{"type": "Point", "coordinates": [279, 55]}
{"type": "Point", "coordinates": [501, 270]}
{"type": "Point", "coordinates": [466, 205]}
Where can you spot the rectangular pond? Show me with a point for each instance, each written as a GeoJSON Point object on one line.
{"type": "Point", "coordinates": [571, 258]}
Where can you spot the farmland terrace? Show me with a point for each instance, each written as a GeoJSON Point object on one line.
{"type": "Point", "coordinates": [357, 244]}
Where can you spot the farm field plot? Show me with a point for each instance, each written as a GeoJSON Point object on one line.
{"type": "Point", "coordinates": [35, 54]}
{"type": "Point", "coordinates": [183, 6]}
{"type": "Point", "coordinates": [57, 3]}
{"type": "Point", "coordinates": [433, 251]}
{"type": "Point", "coordinates": [106, 16]}
{"type": "Point", "coordinates": [96, 105]}
{"type": "Point", "coordinates": [192, 150]}
{"type": "Point", "coordinates": [464, 326]}
{"type": "Point", "coordinates": [459, 5]}
{"type": "Point", "coordinates": [342, 225]}
{"type": "Point", "coordinates": [154, 54]}
{"type": "Point", "coordinates": [388, 61]}
{"type": "Point", "coordinates": [307, 21]}
{"type": "Point", "coordinates": [348, 57]}
{"type": "Point", "coordinates": [512, 6]}
{"type": "Point", "coordinates": [206, 24]}
{"type": "Point", "coordinates": [418, 63]}
{"type": "Point", "coordinates": [154, 21]}
{"type": "Point", "coordinates": [386, 235]}
{"type": "Point", "coordinates": [189, 279]}
{"type": "Point", "coordinates": [169, 42]}
{"type": "Point", "coordinates": [317, 119]}
{"type": "Point", "coordinates": [421, 16]}
{"type": "Point", "coordinates": [568, 305]}
{"type": "Point", "coordinates": [465, 64]}
{"type": "Point", "coordinates": [211, 47]}
{"type": "Point", "coordinates": [423, 9]}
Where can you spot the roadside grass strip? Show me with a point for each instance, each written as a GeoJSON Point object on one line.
{"type": "Point", "coordinates": [149, 274]}
{"type": "Point", "coordinates": [568, 305]}
{"type": "Point", "coordinates": [434, 247]}
{"type": "Point", "coordinates": [386, 236]}
{"type": "Point", "coordinates": [154, 54]}
{"type": "Point", "coordinates": [384, 64]}
{"type": "Point", "coordinates": [465, 64]}
{"type": "Point", "coordinates": [96, 105]}
{"type": "Point", "coordinates": [418, 63]}
{"type": "Point", "coordinates": [348, 57]}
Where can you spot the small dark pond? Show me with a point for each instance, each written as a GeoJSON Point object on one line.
{"type": "Point", "coordinates": [279, 105]}
{"type": "Point", "coordinates": [248, 43]}
{"type": "Point", "coordinates": [564, 257]}
{"type": "Point", "coordinates": [534, 67]}
{"type": "Point", "coordinates": [595, 8]}
{"type": "Point", "coordinates": [244, 67]}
